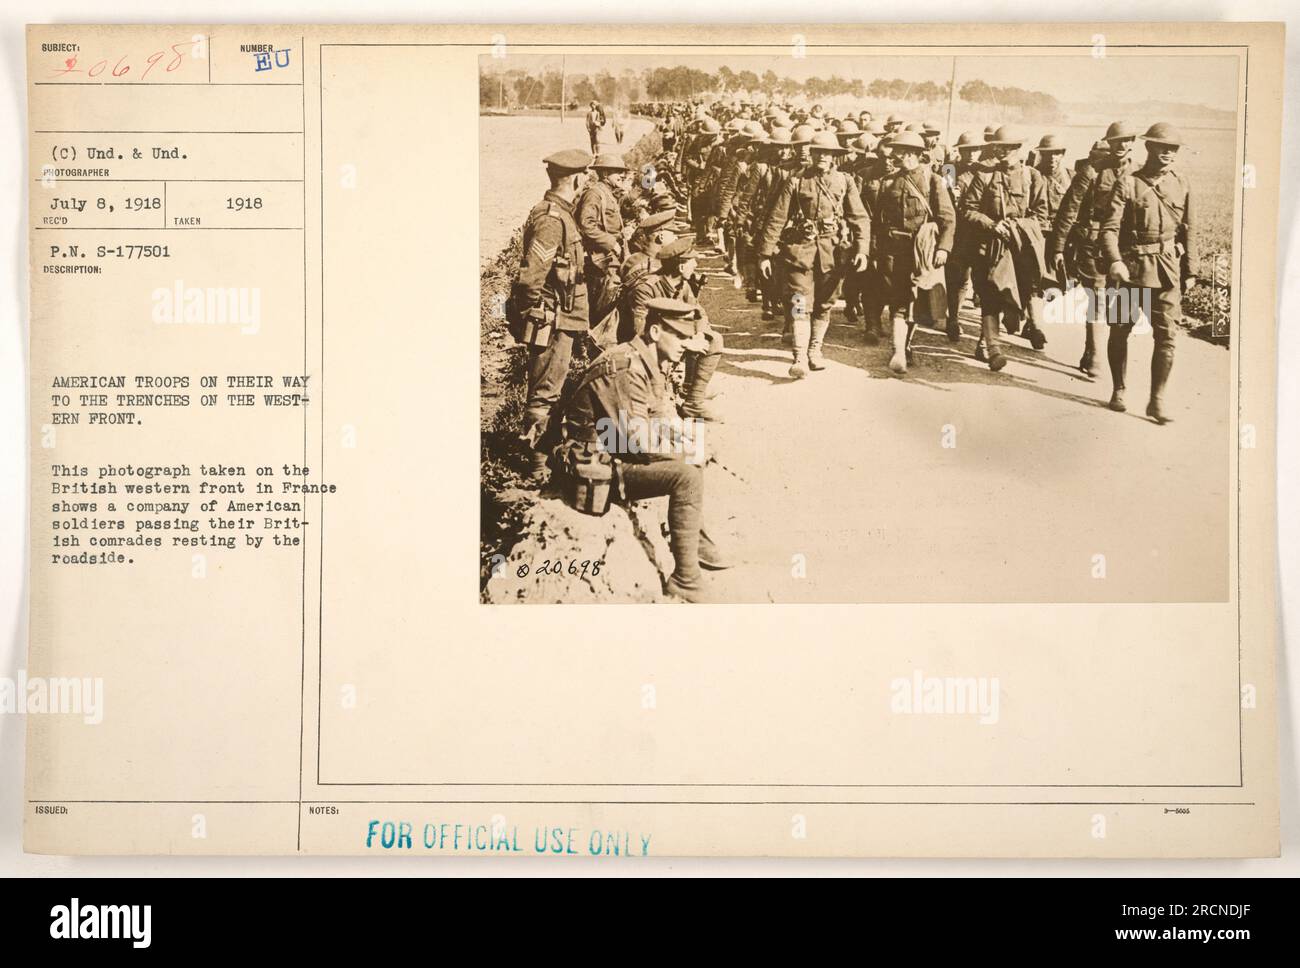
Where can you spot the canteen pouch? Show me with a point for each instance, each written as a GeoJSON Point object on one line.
{"type": "Point", "coordinates": [589, 478]}
{"type": "Point", "coordinates": [536, 327]}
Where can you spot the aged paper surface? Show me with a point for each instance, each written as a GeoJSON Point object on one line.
{"type": "Point", "coordinates": [971, 612]}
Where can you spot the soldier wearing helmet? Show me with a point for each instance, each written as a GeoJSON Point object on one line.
{"type": "Point", "coordinates": [784, 162]}
{"type": "Point", "coordinates": [911, 200]}
{"type": "Point", "coordinates": [999, 207]}
{"type": "Point", "coordinates": [817, 228]}
{"type": "Point", "coordinates": [1078, 225]}
{"type": "Point", "coordinates": [1148, 241]}
{"type": "Point", "coordinates": [957, 270]}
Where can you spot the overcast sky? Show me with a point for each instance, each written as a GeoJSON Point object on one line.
{"type": "Point", "coordinates": [1119, 77]}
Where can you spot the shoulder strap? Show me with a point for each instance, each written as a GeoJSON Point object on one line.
{"type": "Point", "coordinates": [911, 186]}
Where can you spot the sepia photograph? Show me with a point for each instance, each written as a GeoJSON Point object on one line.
{"type": "Point", "coordinates": [854, 329]}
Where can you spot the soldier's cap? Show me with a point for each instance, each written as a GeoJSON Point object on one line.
{"type": "Point", "coordinates": [609, 162]}
{"type": "Point", "coordinates": [657, 219]}
{"type": "Point", "coordinates": [826, 141]}
{"type": "Point", "coordinates": [876, 128]}
{"type": "Point", "coordinates": [930, 127]}
{"type": "Point", "coordinates": [1100, 147]}
{"type": "Point", "coordinates": [570, 159]}
{"type": "Point", "coordinates": [969, 141]}
{"type": "Point", "coordinates": [1120, 131]}
{"type": "Point", "coordinates": [709, 125]}
{"type": "Point", "coordinates": [1008, 136]}
{"type": "Point", "coordinates": [1049, 143]}
{"type": "Point", "coordinates": [908, 141]}
{"type": "Point", "coordinates": [914, 126]}
{"type": "Point", "coordinates": [990, 131]}
{"type": "Point", "coordinates": [677, 249]}
{"type": "Point", "coordinates": [893, 119]}
{"type": "Point", "coordinates": [1164, 133]}
{"type": "Point", "coordinates": [663, 203]}
{"type": "Point", "coordinates": [849, 129]}
{"type": "Point", "coordinates": [679, 318]}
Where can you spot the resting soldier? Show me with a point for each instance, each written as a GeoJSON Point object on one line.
{"type": "Point", "coordinates": [548, 304]}
{"type": "Point", "coordinates": [611, 424]}
{"type": "Point", "coordinates": [677, 262]}
{"type": "Point", "coordinates": [600, 220]}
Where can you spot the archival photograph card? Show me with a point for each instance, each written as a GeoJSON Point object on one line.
{"type": "Point", "coordinates": [631, 441]}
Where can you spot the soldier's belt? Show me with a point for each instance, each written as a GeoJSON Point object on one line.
{"type": "Point", "coordinates": [1153, 248]}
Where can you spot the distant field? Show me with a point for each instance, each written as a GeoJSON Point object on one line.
{"type": "Point", "coordinates": [511, 176]}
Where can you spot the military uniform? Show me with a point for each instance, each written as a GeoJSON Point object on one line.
{"type": "Point", "coordinates": [906, 201]}
{"type": "Point", "coordinates": [1009, 192]}
{"type": "Point", "coordinates": [600, 220]}
{"type": "Point", "coordinates": [1078, 222]}
{"type": "Point", "coordinates": [964, 247]}
{"type": "Point", "coordinates": [701, 365]}
{"type": "Point", "coordinates": [624, 388]}
{"type": "Point", "coordinates": [817, 223]}
{"type": "Point", "coordinates": [1149, 227]}
{"type": "Point", "coordinates": [549, 289]}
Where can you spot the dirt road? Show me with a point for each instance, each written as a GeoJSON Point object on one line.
{"type": "Point", "coordinates": [955, 484]}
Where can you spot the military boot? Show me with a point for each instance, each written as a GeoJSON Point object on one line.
{"type": "Point", "coordinates": [1117, 357]}
{"type": "Point", "coordinates": [1088, 363]}
{"type": "Point", "coordinates": [699, 371]}
{"type": "Point", "coordinates": [539, 467]}
{"type": "Point", "coordinates": [695, 592]}
{"type": "Point", "coordinates": [989, 324]}
{"type": "Point", "coordinates": [802, 330]}
{"type": "Point", "coordinates": [1162, 363]}
{"type": "Point", "coordinates": [713, 555]}
{"type": "Point", "coordinates": [900, 327]}
{"type": "Point", "coordinates": [815, 359]}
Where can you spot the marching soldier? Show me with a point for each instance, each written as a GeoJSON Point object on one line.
{"type": "Point", "coordinates": [784, 163]}
{"type": "Point", "coordinates": [1080, 216]}
{"type": "Point", "coordinates": [871, 285]}
{"type": "Point", "coordinates": [909, 199]}
{"type": "Point", "coordinates": [1148, 241]}
{"type": "Point", "coordinates": [958, 267]}
{"type": "Point", "coordinates": [817, 225]}
{"type": "Point", "coordinates": [548, 297]}
{"type": "Point", "coordinates": [600, 220]}
{"type": "Point", "coordinates": [595, 121]}
{"type": "Point", "coordinates": [995, 206]}
{"type": "Point", "coordinates": [624, 388]}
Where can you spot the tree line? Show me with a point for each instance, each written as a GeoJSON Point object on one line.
{"type": "Point", "coordinates": [514, 88]}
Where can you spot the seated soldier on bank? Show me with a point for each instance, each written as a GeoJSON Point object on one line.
{"type": "Point", "coordinates": [615, 431]}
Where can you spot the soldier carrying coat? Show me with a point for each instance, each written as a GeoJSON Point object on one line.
{"type": "Point", "coordinates": [1006, 208]}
